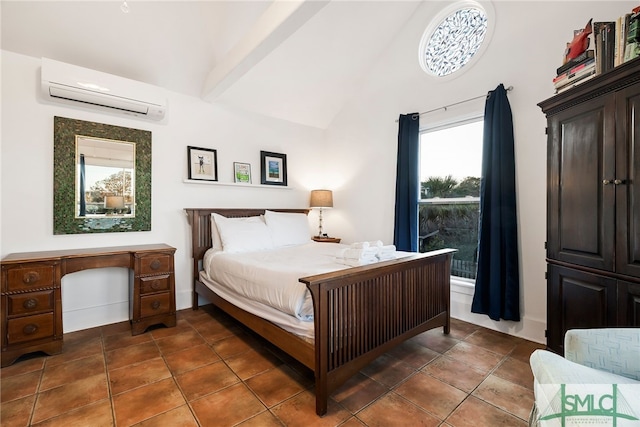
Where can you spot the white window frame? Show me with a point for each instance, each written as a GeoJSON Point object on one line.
{"type": "Point", "coordinates": [459, 284]}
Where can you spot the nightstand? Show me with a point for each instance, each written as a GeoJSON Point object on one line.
{"type": "Point", "coordinates": [326, 239]}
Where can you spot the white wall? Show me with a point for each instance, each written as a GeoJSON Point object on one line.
{"type": "Point", "coordinates": [524, 52]}
{"type": "Point", "coordinates": [97, 297]}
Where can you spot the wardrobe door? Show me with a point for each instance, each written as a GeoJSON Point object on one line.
{"type": "Point", "coordinates": [578, 300]}
{"type": "Point", "coordinates": [629, 304]}
{"type": "Point", "coordinates": [580, 189]}
{"type": "Point", "coordinates": [628, 174]}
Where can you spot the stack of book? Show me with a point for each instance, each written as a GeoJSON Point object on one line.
{"type": "Point", "coordinates": [575, 71]}
{"type": "Point", "coordinates": [617, 42]}
{"type": "Point", "coordinates": [613, 42]}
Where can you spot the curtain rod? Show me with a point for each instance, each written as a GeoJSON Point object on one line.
{"type": "Point", "coordinates": [510, 88]}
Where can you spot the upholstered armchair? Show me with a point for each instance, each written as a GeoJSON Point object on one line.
{"type": "Point", "coordinates": [597, 380]}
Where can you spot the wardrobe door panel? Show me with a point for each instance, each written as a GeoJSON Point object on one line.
{"type": "Point", "coordinates": [628, 173]}
{"type": "Point", "coordinates": [580, 197]}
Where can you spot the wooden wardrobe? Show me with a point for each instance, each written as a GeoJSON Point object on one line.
{"type": "Point", "coordinates": [593, 204]}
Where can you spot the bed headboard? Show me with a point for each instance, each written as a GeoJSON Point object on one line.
{"type": "Point", "coordinates": [200, 221]}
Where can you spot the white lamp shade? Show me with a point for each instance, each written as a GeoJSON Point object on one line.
{"type": "Point", "coordinates": [321, 199]}
{"type": "Point", "coordinates": [114, 202]}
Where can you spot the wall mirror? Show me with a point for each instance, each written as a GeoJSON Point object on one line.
{"type": "Point", "coordinates": [105, 177]}
{"type": "Point", "coordinates": [102, 178]}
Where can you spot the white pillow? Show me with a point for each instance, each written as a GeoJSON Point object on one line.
{"type": "Point", "coordinates": [243, 234]}
{"type": "Point", "coordinates": [288, 228]}
{"type": "Point", "coordinates": [216, 242]}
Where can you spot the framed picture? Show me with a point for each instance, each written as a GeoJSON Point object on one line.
{"type": "Point", "coordinates": [203, 163]}
{"type": "Point", "coordinates": [273, 168]}
{"type": "Point", "coordinates": [242, 172]}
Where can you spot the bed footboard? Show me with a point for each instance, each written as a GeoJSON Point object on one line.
{"type": "Point", "coordinates": [363, 312]}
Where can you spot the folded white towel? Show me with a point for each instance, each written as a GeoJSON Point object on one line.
{"type": "Point", "coordinates": [365, 245]}
{"type": "Point", "coordinates": [386, 252]}
{"type": "Point", "coordinates": [386, 249]}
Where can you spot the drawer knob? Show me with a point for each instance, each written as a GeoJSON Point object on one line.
{"type": "Point", "coordinates": [31, 277]}
{"type": "Point", "coordinates": [30, 303]}
{"type": "Point", "coordinates": [30, 329]}
{"type": "Point", "coordinates": [155, 264]}
{"type": "Point", "coordinates": [155, 305]}
{"type": "Point", "coordinates": [155, 285]}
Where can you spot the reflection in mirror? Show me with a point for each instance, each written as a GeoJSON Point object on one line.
{"type": "Point", "coordinates": [105, 177]}
{"type": "Point", "coordinates": [115, 200]}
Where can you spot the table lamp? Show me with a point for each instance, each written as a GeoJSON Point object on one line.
{"type": "Point", "coordinates": [321, 199]}
{"type": "Point", "coordinates": [115, 203]}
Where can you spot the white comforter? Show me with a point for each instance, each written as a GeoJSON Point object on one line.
{"type": "Point", "coordinates": [271, 276]}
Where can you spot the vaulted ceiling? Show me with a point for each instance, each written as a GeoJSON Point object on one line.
{"type": "Point", "coordinates": [294, 60]}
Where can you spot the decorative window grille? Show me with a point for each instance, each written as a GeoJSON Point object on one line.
{"type": "Point", "coordinates": [454, 41]}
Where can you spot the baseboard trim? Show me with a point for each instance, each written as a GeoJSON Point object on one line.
{"type": "Point", "coordinates": [527, 328]}
{"type": "Point", "coordinates": [91, 317]}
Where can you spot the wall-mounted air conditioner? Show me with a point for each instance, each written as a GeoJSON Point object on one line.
{"type": "Point", "coordinates": [79, 86]}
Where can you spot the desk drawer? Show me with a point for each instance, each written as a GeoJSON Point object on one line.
{"type": "Point", "coordinates": [30, 303]}
{"type": "Point", "coordinates": [26, 278]}
{"type": "Point", "coordinates": [151, 264]}
{"type": "Point", "coordinates": [151, 284]}
{"type": "Point", "coordinates": [30, 328]}
{"type": "Point", "coordinates": [155, 304]}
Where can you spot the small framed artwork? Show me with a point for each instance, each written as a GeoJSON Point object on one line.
{"type": "Point", "coordinates": [273, 168]}
{"type": "Point", "coordinates": [203, 163]}
{"type": "Point", "coordinates": [242, 172]}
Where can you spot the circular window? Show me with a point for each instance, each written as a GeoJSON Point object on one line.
{"type": "Point", "coordinates": [453, 38]}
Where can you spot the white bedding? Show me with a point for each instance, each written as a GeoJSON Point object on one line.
{"type": "Point", "coordinates": [285, 321]}
{"type": "Point", "coordinates": [270, 277]}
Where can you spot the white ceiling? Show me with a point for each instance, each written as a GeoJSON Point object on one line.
{"type": "Point", "coordinates": [293, 60]}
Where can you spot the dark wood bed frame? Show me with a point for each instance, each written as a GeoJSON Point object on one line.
{"type": "Point", "coordinates": [360, 313]}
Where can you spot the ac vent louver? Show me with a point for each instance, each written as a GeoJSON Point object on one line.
{"type": "Point", "coordinates": [74, 85]}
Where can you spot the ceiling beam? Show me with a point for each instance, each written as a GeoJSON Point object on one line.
{"type": "Point", "coordinates": [275, 25]}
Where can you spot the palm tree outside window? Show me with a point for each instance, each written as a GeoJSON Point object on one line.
{"type": "Point", "coordinates": [449, 205]}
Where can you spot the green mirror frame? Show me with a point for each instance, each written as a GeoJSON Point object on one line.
{"type": "Point", "coordinates": [65, 221]}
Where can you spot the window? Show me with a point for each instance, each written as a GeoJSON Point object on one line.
{"type": "Point", "coordinates": [449, 206]}
{"type": "Point", "coordinates": [454, 37]}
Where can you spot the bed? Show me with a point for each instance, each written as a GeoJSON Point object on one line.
{"type": "Point", "coordinates": [359, 312]}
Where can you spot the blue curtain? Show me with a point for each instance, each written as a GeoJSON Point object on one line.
{"type": "Point", "coordinates": [497, 290]}
{"type": "Point", "coordinates": [83, 203]}
{"type": "Point", "coordinates": [405, 232]}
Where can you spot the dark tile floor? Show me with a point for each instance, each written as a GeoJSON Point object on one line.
{"type": "Point", "coordinates": [209, 371]}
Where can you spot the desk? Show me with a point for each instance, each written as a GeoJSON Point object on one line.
{"type": "Point", "coordinates": [32, 298]}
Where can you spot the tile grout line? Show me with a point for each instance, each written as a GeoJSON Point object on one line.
{"type": "Point", "coordinates": [173, 378]}
{"type": "Point", "coordinates": [489, 373]}
{"type": "Point", "coordinates": [106, 367]}
{"type": "Point", "coordinates": [193, 412]}
{"type": "Point", "coordinates": [37, 393]}
{"type": "Point", "coordinates": [504, 357]}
